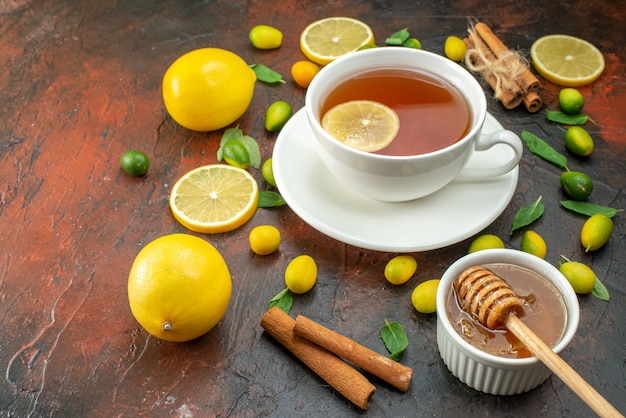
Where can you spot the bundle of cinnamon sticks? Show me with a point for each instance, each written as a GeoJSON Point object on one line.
{"type": "Point", "coordinates": [324, 352]}
{"type": "Point", "coordinates": [506, 71]}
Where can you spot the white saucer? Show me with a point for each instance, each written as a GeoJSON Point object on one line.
{"type": "Point", "coordinates": [446, 217]}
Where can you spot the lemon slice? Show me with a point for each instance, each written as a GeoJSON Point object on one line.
{"type": "Point", "coordinates": [362, 124]}
{"type": "Point", "coordinates": [327, 39]}
{"type": "Point", "coordinates": [214, 198]}
{"type": "Point", "coordinates": [566, 60]}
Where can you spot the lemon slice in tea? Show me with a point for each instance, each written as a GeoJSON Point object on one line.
{"type": "Point", "coordinates": [566, 60]}
{"type": "Point", "coordinates": [327, 39]}
{"type": "Point", "coordinates": [214, 198]}
{"type": "Point", "coordinates": [362, 124]}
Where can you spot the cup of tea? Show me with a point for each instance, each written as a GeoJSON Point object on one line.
{"type": "Point", "coordinates": [441, 109]}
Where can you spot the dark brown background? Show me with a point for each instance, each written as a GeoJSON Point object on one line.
{"type": "Point", "coordinates": [80, 84]}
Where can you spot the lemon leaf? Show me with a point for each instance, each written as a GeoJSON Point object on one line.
{"type": "Point", "coordinates": [542, 149]}
{"type": "Point", "coordinates": [527, 214]}
{"type": "Point", "coordinates": [266, 74]}
{"type": "Point", "coordinates": [270, 199]}
{"type": "Point", "coordinates": [398, 38]}
{"type": "Point", "coordinates": [283, 300]}
{"type": "Point", "coordinates": [600, 291]}
{"type": "Point", "coordinates": [395, 339]}
{"type": "Point", "coordinates": [589, 209]}
{"type": "Point", "coordinates": [565, 119]}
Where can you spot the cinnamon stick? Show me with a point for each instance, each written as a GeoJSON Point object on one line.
{"type": "Point", "coordinates": [520, 86]}
{"type": "Point", "coordinates": [340, 375]}
{"type": "Point", "coordinates": [383, 367]}
{"type": "Point", "coordinates": [509, 99]}
{"type": "Point", "coordinates": [532, 101]}
{"type": "Point", "coordinates": [528, 82]}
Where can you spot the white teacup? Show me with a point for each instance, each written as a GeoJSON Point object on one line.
{"type": "Point", "coordinates": [403, 178]}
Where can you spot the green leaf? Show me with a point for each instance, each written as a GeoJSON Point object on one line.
{"type": "Point", "coordinates": [527, 215]}
{"type": "Point", "coordinates": [283, 300]}
{"type": "Point", "coordinates": [270, 199]}
{"type": "Point", "coordinates": [398, 38]}
{"type": "Point", "coordinates": [565, 119]}
{"type": "Point", "coordinates": [589, 209]}
{"type": "Point", "coordinates": [253, 150]}
{"type": "Point", "coordinates": [600, 291]}
{"type": "Point", "coordinates": [542, 149]}
{"type": "Point", "coordinates": [266, 74]}
{"type": "Point", "coordinates": [394, 338]}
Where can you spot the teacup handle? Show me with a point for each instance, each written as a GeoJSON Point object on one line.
{"type": "Point", "coordinates": [486, 141]}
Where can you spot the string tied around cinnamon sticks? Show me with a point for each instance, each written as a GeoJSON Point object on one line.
{"type": "Point", "coordinates": [506, 71]}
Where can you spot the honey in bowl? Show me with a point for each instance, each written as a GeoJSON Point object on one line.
{"type": "Point", "coordinates": [433, 114]}
{"type": "Point", "coordinates": [545, 314]}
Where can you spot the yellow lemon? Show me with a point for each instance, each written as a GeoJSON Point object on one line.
{"type": "Point", "coordinates": [485, 242]}
{"type": "Point", "coordinates": [214, 198]}
{"type": "Point", "coordinates": [362, 124]}
{"type": "Point", "coordinates": [596, 232]}
{"type": "Point", "coordinates": [454, 48]}
{"type": "Point", "coordinates": [534, 244]}
{"type": "Point", "coordinates": [264, 239]}
{"type": "Point", "coordinates": [301, 274]}
{"type": "Point", "coordinates": [266, 37]}
{"type": "Point", "coordinates": [400, 269]}
{"type": "Point", "coordinates": [179, 287]}
{"type": "Point", "coordinates": [208, 89]}
{"type": "Point", "coordinates": [327, 39]}
{"type": "Point", "coordinates": [424, 296]}
{"type": "Point", "coordinates": [580, 276]}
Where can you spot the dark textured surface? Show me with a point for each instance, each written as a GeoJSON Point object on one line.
{"type": "Point", "coordinates": [80, 84]}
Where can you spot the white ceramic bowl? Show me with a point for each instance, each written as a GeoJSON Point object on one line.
{"type": "Point", "coordinates": [486, 372]}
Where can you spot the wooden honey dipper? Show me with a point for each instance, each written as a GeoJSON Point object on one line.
{"type": "Point", "coordinates": [491, 301]}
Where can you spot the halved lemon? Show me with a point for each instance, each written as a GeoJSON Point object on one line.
{"type": "Point", "coordinates": [327, 39]}
{"type": "Point", "coordinates": [363, 124]}
{"type": "Point", "coordinates": [214, 198]}
{"type": "Point", "coordinates": [566, 60]}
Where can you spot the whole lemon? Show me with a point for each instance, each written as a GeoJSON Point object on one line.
{"type": "Point", "coordinates": [533, 243]}
{"type": "Point", "coordinates": [580, 276]}
{"type": "Point", "coordinates": [264, 239]}
{"type": "Point", "coordinates": [301, 274]}
{"type": "Point", "coordinates": [596, 232]}
{"type": "Point", "coordinates": [400, 269]}
{"type": "Point", "coordinates": [207, 89]}
{"type": "Point", "coordinates": [424, 296]}
{"type": "Point", "coordinates": [485, 242]}
{"type": "Point", "coordinates": [179, 287]}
